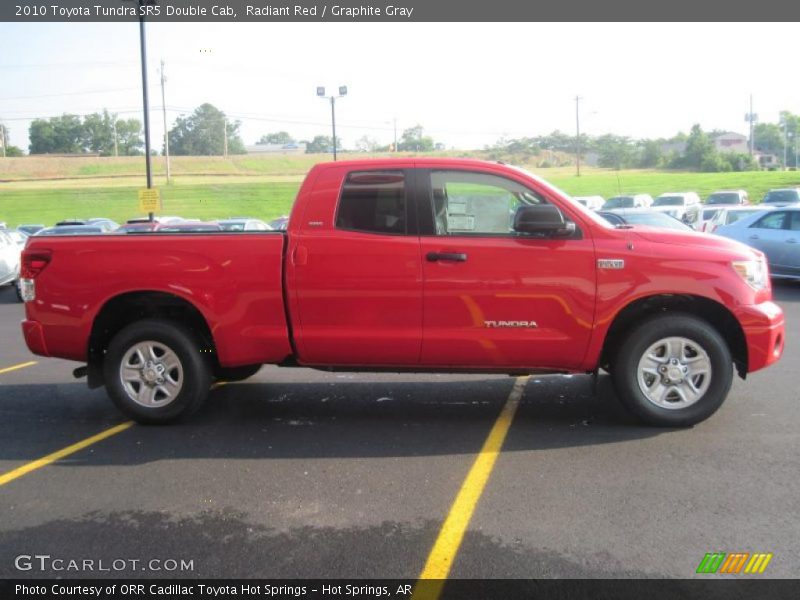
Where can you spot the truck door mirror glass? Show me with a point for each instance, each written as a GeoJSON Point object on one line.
{"type": "Point", "coordinates": [544, 219]}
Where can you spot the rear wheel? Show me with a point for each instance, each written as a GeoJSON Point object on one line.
{"type": "Point", "coordinates": [155, 373]}
{"type": "Point", "coordinates": [673, 370]}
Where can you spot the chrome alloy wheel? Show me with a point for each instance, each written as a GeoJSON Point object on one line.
{"type": "Point", "coordinates": [151, 374]}
{"type": "Point", "coordinates": [674, 373]}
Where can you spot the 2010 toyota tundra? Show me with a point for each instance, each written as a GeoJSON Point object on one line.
{"type": "Point", "coordinates": [408, 265]}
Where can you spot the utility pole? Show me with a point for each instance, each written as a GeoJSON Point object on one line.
{"type": "Point", "coordinates": [578, 136]}
{"type": "Point", "coordinates": [225, 136]}
{"type": "Point", "coordinates": [164, 112]}
{"type": "Point", "coordinates": [395, 134]}
{"type": "Point", "coordinates": [785, 140]}
{"type": "Point", "coordinates": [116, 144]}
{"type": "Point", "coordinates": [3, 139]}
{"type": "Point", "coordinates": [751, 117]}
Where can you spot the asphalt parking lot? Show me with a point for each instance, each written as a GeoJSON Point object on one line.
{"type": "Point", "coordinates": [298, 473]}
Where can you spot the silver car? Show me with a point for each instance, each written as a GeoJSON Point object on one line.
{"type": "Point", "coordinates": [9, 259]}
{"type": "Point", "coordinates": [776, 233]}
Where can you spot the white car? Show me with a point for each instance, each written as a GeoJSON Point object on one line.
{"type": "Point", "coordinates": [10, 253]}
{"type": "Point", "coordinates": [590, 202]}
{"type": "Point", "coordinates": [684, 206]}
{"type": "Point", "coordinates": [731, 214]}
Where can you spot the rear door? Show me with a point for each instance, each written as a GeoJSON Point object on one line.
{"type": "Point", "coordinates": [354, 271]}
{"type": "Point", "coordinates": [494, 298]}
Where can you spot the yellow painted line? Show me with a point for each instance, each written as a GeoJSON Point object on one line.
{"type": "Point", "coordinates": [64, 452]}
{"type": "Point", "coordinates": [218, 384]}
{"type": "Point", "coordinates": [19, 366]}
{"type": "Point", "coordinates": [440, 560]}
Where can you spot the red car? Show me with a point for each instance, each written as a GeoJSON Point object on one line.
{"type": "Point", "coordinates": [409, 265]}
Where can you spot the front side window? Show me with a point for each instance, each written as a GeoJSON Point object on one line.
{"type": "Point", "coordinates": [373, 201]}
{"type": "Point", "coordinates": [467, 203]}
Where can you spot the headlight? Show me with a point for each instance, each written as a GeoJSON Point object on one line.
{"type": "Point", "coordinates": [754, 272]}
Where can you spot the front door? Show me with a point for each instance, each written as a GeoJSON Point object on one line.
{"type": "Point", "coordinates": [494, 298]}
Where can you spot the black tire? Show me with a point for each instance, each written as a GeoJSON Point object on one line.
{"type": "Point", "coordinates": [193, 372]}
{"type": "Point", "coordinates": [236, 373]}
{"type": "Point", "coordinates": [698, 334]}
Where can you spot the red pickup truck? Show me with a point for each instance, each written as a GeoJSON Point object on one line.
{"type": "Point", "coordinates": [408, 265]}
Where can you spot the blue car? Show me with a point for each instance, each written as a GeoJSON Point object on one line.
{"type": "Point", "coordinates": [776, 233]}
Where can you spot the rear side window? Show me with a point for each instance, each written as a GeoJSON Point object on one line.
{"type": "Point", "coordinates": [373, 201]}
{"type": "Point", "coordinates": [773, 220]}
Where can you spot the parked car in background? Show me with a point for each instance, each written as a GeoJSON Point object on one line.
{"type": "Point", "coordinates": [68, 230]}
{"type": "Point", "coordinates": [103, 223]}
{"type": "Point", "coordinates": [728, 197]}
{"type": "Point", "coordinates": [684, 206]}
{"type": "Point", "coordinates": [70, 222]}
{"type": "Point", "coordinates": [280, 223]}
{"type": "Point", "coordinates": [782, 197]}
{"type": "Point", "coordinates": [243, 224]}
{"type": "Point", "coordinates": [642, 216]}
{"type": "Point", "coordinates": [590, 202]}
{"type": "Point", "coordinates": [776, 233]}
{"type": "Point", "coordinates": [727, 215]}
{"type": "Point", "coordinates": [29, 229]}
{"type": "Point", "coordinates": [628, 201]}
{"type": "Point", "coordinates": [706, 214]}
{"type": "Point", "coordinates": [9, 259]}
{"type": "Point", "coordinates": [18, 237]}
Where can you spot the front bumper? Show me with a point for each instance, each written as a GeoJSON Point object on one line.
{"type": "Point", "coordinates": [764, 332]}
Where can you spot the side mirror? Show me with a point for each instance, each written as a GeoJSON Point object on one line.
{"type": "Point", "coordinates": [542, 218]}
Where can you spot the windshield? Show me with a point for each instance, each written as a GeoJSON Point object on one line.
{"type": "Point", "coordinates": [723, 198]}
{"type": "Point", "coordinates": [619, 202]}
{"type": "Point", "coordinates": [668, 201]}
{"type": "Point", "coordinates": [781, 196]}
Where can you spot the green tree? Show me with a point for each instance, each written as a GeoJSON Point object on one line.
{"type": "Point", "coordinates": [98, 133]}
{"type": "Point", "coordinates": [768, 138]}
{"type": "Point", "coordinates": [62, 135]}
{"type": "Point", "coordinates": [203, 133]}
{"type": "Point", "coordinates": [413, 140]}
{"type": "Point", "coordinates": [700, 153]}
{"type": "Point", "coordinates": [129, 137]}
{"type": "Point", "coordinates": [322, 144]}
{"type": "Point", "coordinates": [650, 154]}
{"type": "Point", "coordinates": [278, 137]}
{"type": "Point", "coordinates": [614, 151]}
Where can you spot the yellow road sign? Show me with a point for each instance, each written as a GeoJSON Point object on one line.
{"type": "Point", "coordinates": [149, 200]}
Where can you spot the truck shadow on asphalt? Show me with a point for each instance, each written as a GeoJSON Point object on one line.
{"type": "Point", "coordinates": [308, 420]}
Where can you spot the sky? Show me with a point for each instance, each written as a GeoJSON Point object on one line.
{"type": "Point", "coordinates": [467, 84]}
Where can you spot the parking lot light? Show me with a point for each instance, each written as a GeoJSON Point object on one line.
{"type": "Point", "coordinates": [342, 93]}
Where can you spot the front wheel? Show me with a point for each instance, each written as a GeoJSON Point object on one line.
{"type": "Point", "coordinates": [673, 370]}
{"type": "Point", "coordinates": [155, 373]}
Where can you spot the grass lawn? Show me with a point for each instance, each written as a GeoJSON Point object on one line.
{"type": "Point", "coordinates": [47, 189]}
{"type": "Point", "coordinates": [206, 202]}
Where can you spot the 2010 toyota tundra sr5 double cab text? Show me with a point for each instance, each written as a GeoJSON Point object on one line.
{"type": "Point", "coordinates": [408, 265]}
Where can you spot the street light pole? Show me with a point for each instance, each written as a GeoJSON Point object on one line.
{"type": "Point", "coordinates": [578, 136]}
{"type": "Point", "coordinates": [342, 93]}
{"type": "Point", "coordinates": [145, 98]}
